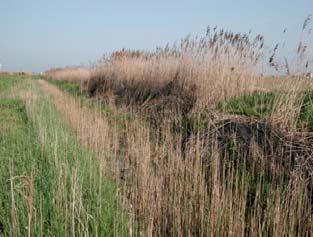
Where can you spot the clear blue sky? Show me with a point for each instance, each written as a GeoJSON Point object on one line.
{"type": "Point", "coordinates": [40, 34]}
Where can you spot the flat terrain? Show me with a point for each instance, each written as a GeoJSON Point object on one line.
{"type": "Point", "coordinates": [74, 165]}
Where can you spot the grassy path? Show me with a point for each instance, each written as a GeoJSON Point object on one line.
{"type": "Point", "coordinates": [50, 185]}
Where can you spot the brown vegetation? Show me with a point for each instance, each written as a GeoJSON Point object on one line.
{"type": "Point", "coordinates": [195, 173]}
{"type": "Point", "coordinates": [4, 73]}
{"type": "Point", "coordinates": [74, 74]}
{"type": "Point", "coordinates": [195, 73]}
{"type": "Point", "coordinates": [197, 190]}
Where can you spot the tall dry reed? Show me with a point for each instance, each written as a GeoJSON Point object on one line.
{"type": "Point", "coordinates": [218, 66]}
{"type": "Point", "coordinates": [74, 74]}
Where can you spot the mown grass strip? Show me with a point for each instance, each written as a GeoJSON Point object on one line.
{"type": "Point", "coordinates": [50, 185]}
{"type": "Point", "coordinates": [18, 153]}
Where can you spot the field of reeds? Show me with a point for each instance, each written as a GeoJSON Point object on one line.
{"type": "Point", "coordinates": [187, 140]}
{"type": "Point", "coordinates": [196, 166]}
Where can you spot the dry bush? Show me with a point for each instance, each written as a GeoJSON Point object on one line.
{"type": "Point", "coordinates": [73, 74]}
{"type": "Point", "coordinates": [197, 72]}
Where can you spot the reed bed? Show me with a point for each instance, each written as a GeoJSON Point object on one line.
{"type": "Point", "coordinates": [195, 72]}
{"type": "Point", "coordinates": [181, 168]}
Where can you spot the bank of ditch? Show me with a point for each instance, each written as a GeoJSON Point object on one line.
{"type": "Point", "coordinates": [244, 166]}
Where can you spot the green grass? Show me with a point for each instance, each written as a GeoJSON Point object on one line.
{"type": "Point", "coordinates": [50, 185]}
{"type": "Point", "coordinates": [260, 105]}
{"type": "Point", "coordinates": [257, 104]}
{"type": "Point", "coordinates": [7, 82]}
{"type": "Point", "coordinates": [306, 114]}
{"type": "Point", "coordinates": [18, 152]}
{"type": "Point", "coordinates": [70, 87]}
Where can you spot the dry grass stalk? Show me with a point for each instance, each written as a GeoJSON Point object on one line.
{"type": "Point", "coordinates": [168, 193]}
{"type": "Point", "coordinates": [215, 67]}
{"type": "Point", "coordinates": [174, 187]}
{"type": "Point", "coordinates": [74, 74]}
